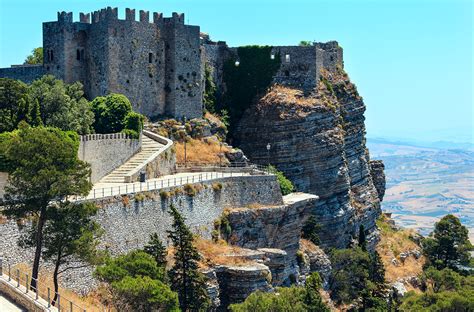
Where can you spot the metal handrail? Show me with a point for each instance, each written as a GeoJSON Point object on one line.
{"type": "Point", "coordinates": [206, 175]}
{"type": "Point", "coordinates": [18, 278]}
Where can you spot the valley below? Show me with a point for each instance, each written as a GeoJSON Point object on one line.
{"type": "Point", "coordinates": [425, 183]}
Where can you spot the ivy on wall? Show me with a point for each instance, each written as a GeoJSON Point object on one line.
{"type": "Point", "coordinates": [248, 80]}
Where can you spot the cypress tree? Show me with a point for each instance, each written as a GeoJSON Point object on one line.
{"type": "Point", "coordinates": [156, 249]}
{"type": "Point", "coordinates": [185, 278]}
{"type": "Point", "coordinates": [35, 114]}
{"type": "Point", "coordinates": [23, 111]}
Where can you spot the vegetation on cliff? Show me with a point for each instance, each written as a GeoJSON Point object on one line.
{"type": "Point", "coordinates": [245, 81]}
{"type": "Point", "coordinates": [293, 298]}
{"type": "Point", "coordinates": [286, 186]}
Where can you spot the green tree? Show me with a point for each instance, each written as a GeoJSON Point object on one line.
{"type": "Point", "coordinates": [312, 299]}
{"type": "Point", "coordinates": [62, 106]}
{"type": "Point", "coordinates": [35, 115]}
{"type": "Point", "coordinates": [310, 230]}
{"type": "Point", "coordinates": [185, 278]}
{"type": "Point", "coordinates": [110, 113]}
{"type": "Point", "coordinates": [13, 99]}
{"type": "Point", "coordinates": [284, 299]}
{"type": "Point", "coordinates": [376, 269]}
{"type": "Point", "coordinates": [134, 122]}
{"type": "Point", "coordinates": [36, 56]}
{"type": "Point", "coordinates": [286, 186]}
{"type": "Point", "coordinates": [142, 293]}
{"type": "Point", "coordinates": [448, 246]}
{"type": "Point", "coordinates": [44, 170]}
{"type": "Point", "coordinates": [137, 283]}
{"type": "Point", "coordinates": [444, 280]}
{"type": "Point", "coordinates": [156, 249]}
{"type": "Point", "coordinates": [349, 274]}
{"type": "Point", "coordinates": [69, 235]}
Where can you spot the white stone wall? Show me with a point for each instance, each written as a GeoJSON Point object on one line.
{"type": "Point", "coordinates": [105, 152]}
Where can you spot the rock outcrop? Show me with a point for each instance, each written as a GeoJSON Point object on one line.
{"type": "Point", "coordinates": [378, 176]}
{"type": "Point", "coordinates": [318, 141]}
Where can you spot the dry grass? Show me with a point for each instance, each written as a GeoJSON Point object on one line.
{"type": "Point", "coordinates": [391, 244]}
{"type": "Point", "coordinates": [220, 253]}
{"type": "Point", "coordinates": [287, 96]}
{"type": "Point", "coordinates": [91, 302]}
{"type": "Point", "coordinates": [201, 151]}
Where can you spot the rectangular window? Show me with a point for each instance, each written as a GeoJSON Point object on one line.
{"type": "Point", "coordinates": [150, 58]}
{"type": "Point", "coordinates": [78, 55]}
{"type": "Point", "coordinates": [287, 58]}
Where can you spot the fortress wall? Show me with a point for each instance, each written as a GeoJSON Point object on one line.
{"type": "Point", "coordinates": [128, 221]}
{"type": "Point", "coordinates": [299, 70]}
{"type": "Point", "coordinates": [183, 68]}
{"type": "Point", "coordinates": [136, 64]}
{"type": "Point", "coordinates": [105, 152]}
{"type": "Point", "coordinates": [27, 73]}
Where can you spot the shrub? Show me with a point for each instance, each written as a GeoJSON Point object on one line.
{"type": "Point", "coordinates": [286, 186]}
{"type": "Point", "coordinates": [190, 189]}
{"type": "Point", "coordinates": [217, 186]}
{"type": "Point", "coordinates": [134, 121]}
{"type": "Point", "coordinates": [164, 195]}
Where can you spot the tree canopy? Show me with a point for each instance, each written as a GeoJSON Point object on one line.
{"type": "Point", "coordinates": [14, 103]}
{"type": "Point", "coordinates": [448, 246]}
{"type": "Point", "coordinates": [36, 56]}
{"type": "Point", "coordinates": [44, 171]}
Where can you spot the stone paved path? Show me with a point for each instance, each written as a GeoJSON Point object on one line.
{"type": "Point", "coordinates": [103, 189]}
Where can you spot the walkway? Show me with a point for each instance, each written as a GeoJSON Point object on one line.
{"type": "Point", "coordinates": [8, 306]}
{"type": "Point", "coordinates": [104, 189]}
{"type": "Point", "coordinates": [149, 147]}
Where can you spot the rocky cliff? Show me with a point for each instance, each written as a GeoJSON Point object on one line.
{"type": "Point", "coordinates": [318, 141]}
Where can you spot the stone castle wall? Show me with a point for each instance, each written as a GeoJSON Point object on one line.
{"type": "Point", "coordinates": [27, 73]}
{"type": "Point", "coordinates": [105, 152]}
{"type": "Point", "coordinates": [157, 64]}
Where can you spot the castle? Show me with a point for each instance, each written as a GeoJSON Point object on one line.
{"type": "Point", "coordinates": [158, 65]}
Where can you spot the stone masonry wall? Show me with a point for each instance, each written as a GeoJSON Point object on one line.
{"type": "Point", "coordinates": [128, 221]}
{"type": "Point", "coordinates": [105, 152]}
{"type": "Point", "coordinates": [25, 73]}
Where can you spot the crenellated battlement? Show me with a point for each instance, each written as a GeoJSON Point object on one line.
{"type": "Point", "coordinates": [111, 14]}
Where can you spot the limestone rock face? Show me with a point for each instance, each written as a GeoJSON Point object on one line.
{"type": "Point", "coordinates": [237, 282]}
{"type": "Point", "coordinates": [318, 141]}
{"type": "Point", "coordinates": [377, 168]}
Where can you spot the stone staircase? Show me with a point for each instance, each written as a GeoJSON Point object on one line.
{"type": "Point", "coordinates": [149, 147]}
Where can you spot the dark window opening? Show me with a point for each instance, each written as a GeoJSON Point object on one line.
{"type": "Point", "coordinates": [287, 73]}
{"type": "Point", "coordinates": [150, 58]}
{"type": "Point", "coordinates": [332, 58]}
{"type": "Point", "coordinates": [78, 55]}
{"type": "Point", "coordinates": [52, 56]}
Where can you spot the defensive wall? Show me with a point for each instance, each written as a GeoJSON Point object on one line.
{"type": "Point", "coordinates": [105, 152]}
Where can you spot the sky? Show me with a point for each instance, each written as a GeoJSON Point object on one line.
{"type": "Point", "coordinates": [410, 59]}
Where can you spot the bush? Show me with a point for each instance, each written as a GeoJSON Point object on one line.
{"type": "Point", "coordinates": [217, 186]}
{"type": "Point", "coordinates": [190, 190]}
{"type": "Point", "coordinates": [286, 186]}
{"type": "Point", "coordinates": [134, 121]}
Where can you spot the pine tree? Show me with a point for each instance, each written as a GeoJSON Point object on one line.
{"type": "Point", "coordinates": [185, 278]}
{"type": "Point", "coordinates": [23, 111]}
{"type": "Point", "coordinates": [376, 269]}
{"type": "Point", "coordinates": [156, 249]}
{"type": "Point", "coordinates": [35, 114]}
{"type": "Point", "coordinates": [313, 301]}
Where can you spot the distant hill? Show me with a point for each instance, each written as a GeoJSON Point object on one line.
{"type": "Point", "coordinates": [426, 182]}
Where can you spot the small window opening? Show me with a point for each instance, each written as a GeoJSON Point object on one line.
{"type": "Point", "coordinates": [287, 58]}
{"type": "Point", "coordinates": [78, 55]}
{"type": "Point", "coordinates": [287, 73]}
{"type": "Point", "coordinates": [52, 56]}
{"type": "Point", "coordinates": [332, 58]}
{"type": "Point", "coordinates": [150, 58]}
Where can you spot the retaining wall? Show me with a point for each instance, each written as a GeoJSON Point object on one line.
{"type": "Point", "coordinates": [105, 152]}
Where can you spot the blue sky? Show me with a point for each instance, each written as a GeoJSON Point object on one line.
{"type": "Point", "coordinates": [411, 59]}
